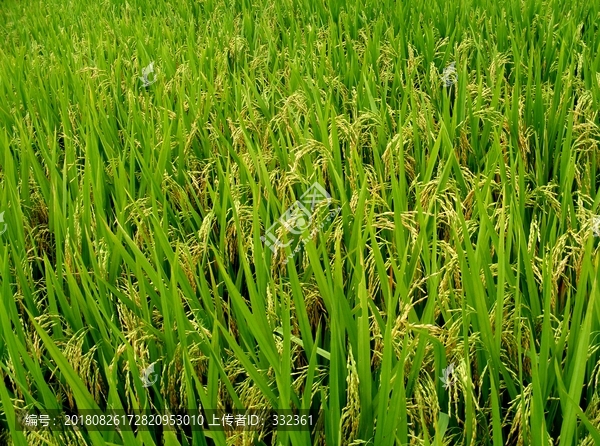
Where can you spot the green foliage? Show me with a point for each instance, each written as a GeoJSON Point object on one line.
{"type": "Point", "coordinates": [135, 214]}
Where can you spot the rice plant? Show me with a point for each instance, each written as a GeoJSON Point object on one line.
{"type": "Point", "coordinates": [382, 213]}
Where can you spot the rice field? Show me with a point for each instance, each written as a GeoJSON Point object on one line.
{"type": "Point", "coordinates": [379, 214]}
